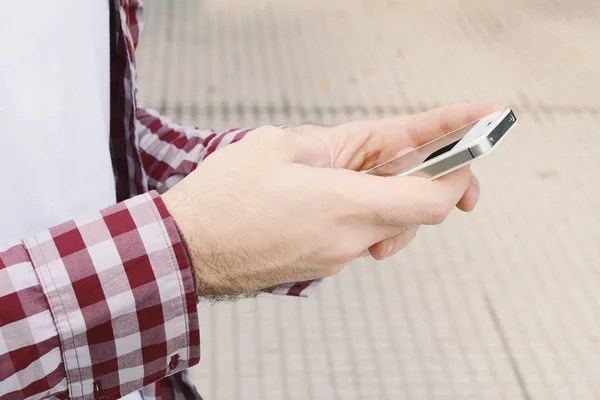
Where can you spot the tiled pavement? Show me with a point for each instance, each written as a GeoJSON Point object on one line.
{"type": "Point", "coordinates": [503, 303]}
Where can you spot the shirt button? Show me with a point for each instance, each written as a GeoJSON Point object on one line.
{"type": "Point", "coordinates": [174, 362]}
{"type": "Point", "coordinates": [97, 389]}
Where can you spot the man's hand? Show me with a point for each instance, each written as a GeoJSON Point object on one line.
{"type": "Point", "coordinates": [270, 209]}
{"type": "Point", "coordinates": [362, 145]}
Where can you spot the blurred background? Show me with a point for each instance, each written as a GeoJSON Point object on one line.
{"type": "Point", "coordinates": [503, 303]}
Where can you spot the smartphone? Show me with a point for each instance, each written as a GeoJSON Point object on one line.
{"type": "Point", "coordinates": [451, 151]}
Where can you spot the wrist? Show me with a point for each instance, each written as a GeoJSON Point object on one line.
{"type": "Point", "coordinates": [205, 260]}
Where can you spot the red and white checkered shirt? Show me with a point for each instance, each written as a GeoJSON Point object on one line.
{"type": "Point", "coordinates": [104, 305]}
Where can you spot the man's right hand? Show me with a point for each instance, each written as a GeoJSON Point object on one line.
{"type": "Point", "coordinates": [270, 210]}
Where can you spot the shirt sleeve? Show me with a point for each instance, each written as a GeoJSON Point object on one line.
{"type": "Point", "coordinates": [97, 307]}
{"type": "Point", "coordinates": [168, 149]}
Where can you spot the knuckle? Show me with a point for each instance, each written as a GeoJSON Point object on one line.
{"type": "Point", "coordinates": [400, 229]}
{"type": "Point", "coordinates": [268, 132]}
{"type": "Point", "coordinates": [347, 253]}
{"type": "Point", "coordinates": [388, 215]}
{"type": "Point", "coordinates": [436, 215]}
{"type": "Point", "coordinates": [270, 137]}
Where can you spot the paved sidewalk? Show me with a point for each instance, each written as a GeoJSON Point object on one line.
{"type": "Point", "coordinates": [500, 304]}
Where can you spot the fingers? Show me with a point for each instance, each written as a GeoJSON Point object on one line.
{"type": "Point", "coordinates": [427, 126]}
{"type": "Point", "coordinates": [388, 247]}
{"type": "Point", "coordinates": [468, 202]}
{"type": "Point", "coordinates": [385, 137]}
{"type": "Point", "coordinates": [398, 201]}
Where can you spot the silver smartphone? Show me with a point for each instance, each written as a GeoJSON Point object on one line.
{"type": "Point", "coordinates": [451, 151]}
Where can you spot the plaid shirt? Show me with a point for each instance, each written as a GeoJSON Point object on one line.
{"type": "Point", "coordinates": [104, 305]}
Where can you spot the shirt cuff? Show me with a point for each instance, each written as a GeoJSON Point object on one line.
{"type": "Point", "coordinates": [120, 288]}
{"type": "Point", "coordinates": [301, 289]}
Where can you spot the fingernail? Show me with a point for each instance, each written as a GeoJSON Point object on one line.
{"type": "Point", "coordinates": [390, 246]}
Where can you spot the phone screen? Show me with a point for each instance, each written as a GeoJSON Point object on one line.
{"type": "Point", "coordinates": [415, 157]}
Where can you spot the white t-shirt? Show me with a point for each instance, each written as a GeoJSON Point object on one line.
{"type": "Point", "coordinates": [54, 113]}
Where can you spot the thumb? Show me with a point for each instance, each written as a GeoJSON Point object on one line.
{"type": "Point", "coordinates": [403, 161]}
